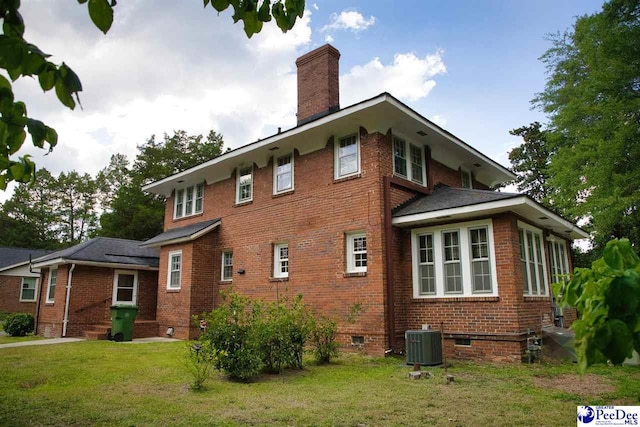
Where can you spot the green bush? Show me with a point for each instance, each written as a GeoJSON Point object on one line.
{"type": "Point", "coordinates": [323, 338]}
{"type": "Point", "coordinates": [200, 360]}
{"type": "Point", "coordinates": [19, 324]}
{"type": "Point", "coordinates": [230, 332]}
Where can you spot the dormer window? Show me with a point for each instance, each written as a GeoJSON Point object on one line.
{"type": "Point", "coordinates": [244, 184]}
{"type": "Point", "coordinates": [408, 161]}
{"type": "Point", "coordinates": [188, 201]}
{"type": "Point", "coordinates": [467, 181]}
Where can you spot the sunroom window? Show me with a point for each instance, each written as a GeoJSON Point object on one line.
{"type": "Point", "coordinates": [532, 260]}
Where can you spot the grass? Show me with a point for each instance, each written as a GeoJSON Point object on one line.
{"type": "Point", "coordinates": [6, 339]}
{"type": "Point", "coordinates": [111, 384]}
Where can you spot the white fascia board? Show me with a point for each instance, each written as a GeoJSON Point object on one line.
{"type": "Point", "coordinates": [60, 261]}
{"type": "Point", "coordinates": [488, 209]}
{"type": "Point", "coordinates": [9, 267]}
{"type": "Point", "coordinates": [188, 238]}
{"type": "Point", "coordinates": [269, 141]}
{"type": "Point", "coordinates": [449, 136]}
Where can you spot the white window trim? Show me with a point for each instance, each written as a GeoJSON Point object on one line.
{"type": "Point", "coordinates": [554, 256]}
{"type": "Point", "coordinates": [194, 192]}
{"type": "Point", "coordinates": [465, 259]}
{"type": "Point", "coordinates": [464, 172]}
{"type": "Point", "coordinates": [407, 149]}
{"type": "Point", "coordinates": [114, 298]}
{"type": "Point", "coordinates": [238, 201]}
{"type": "Point", "coordinates": [222, 265]}
{"type": "Point", "coordinates": [35, 290]}
{"type": "Point", "coordinates": [336, 158]}
{"type": "Point", "coordinates": [527, 227]}
{"type": "Point", "coordinates": [277, 261]}
{"type": "Point", "coordinates": [169, 266]}
{"type": "Point", "coordinates": [275, 174]}
{"type": "Point", "coordinates": [351, 261]}
{"type": "Point", "coordinates": [48, 299]}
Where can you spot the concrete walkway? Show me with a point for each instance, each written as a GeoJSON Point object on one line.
{"type": "Point", "coordinates": [66, 340]}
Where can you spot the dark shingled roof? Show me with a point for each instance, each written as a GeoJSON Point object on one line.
{"type": "Point", "coordinates": [180, 232]}
{"type": "Point", "coordinates": [444, 197]}
{"type": "Point", "coordinates": [108, 250]}
{"type": "Point", "coordinates": [13, 256]}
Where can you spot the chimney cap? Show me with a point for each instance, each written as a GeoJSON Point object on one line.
{"type": "Point", "coordinates": [322, 50]}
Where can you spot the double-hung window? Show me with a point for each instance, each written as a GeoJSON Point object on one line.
{"type": "Point", "coordinates": [227, 266]}
{"type": "Point", "coordinates": [454, 260]}
{"type": "Point", "coordinates": [188, 201]}
{"type": "Point", "coordinates": [466, 178]}
{"type": "Point", "coordinates": [51, 287]}
{"type": "Point", "coordinates": [532, 260]}
{"type": "Point", "coordinates": [559, 261]}
{"type": "Point", "coordinates": [356, 253]}
{"type": "Point", "coordinates": [28, 289]}
{"type": "Point", "coordinates": [174, 273]}
{"type": "Point", "coordinates": [408, 161]}
{"type": "Point", "coordinates": [281, 260]}
{"type": "Point", "coordinates": [244, 184]}
{"type": "Point", "coordinates": [347, 156]}
{"type": "Point", "coordinates": [283, 174]}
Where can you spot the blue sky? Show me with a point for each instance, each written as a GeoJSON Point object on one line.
{"type": "Point", "coordinates": [471, 66]}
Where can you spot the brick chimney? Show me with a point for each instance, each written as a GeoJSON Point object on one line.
{"type": "Point", "coordinates": [318, 86]}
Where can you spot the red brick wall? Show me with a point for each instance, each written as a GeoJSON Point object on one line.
{"type": "Point", "coordinates": [90, 299]}
{"type": "Point", "coordinates": [10, 288]}
{"type": "Point", "coordinates": [313, 219]}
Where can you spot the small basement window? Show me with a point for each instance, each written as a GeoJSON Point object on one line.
{"type": "Point", "coordinates": [357, 340]}
{"type": "Point", "coordinates": [463, 341]}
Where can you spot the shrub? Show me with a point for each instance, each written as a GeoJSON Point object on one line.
{"type": "Point", "coordinates": [229, 330]}
{"type": "Point", "coordinates": [323, 338]}
{"type": "Point", "coordinates": [200, 360]}
{"type": "Point", "coordinates": [19, 324]}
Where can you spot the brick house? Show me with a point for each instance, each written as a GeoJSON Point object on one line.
{"type": "Point", "coordinates": [80, 283]}
{"type": "Point", "coordinates": [18, 283]}
{"type": "Point", "coordinates": [370, 208]}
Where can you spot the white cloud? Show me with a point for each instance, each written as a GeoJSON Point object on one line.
{"type": "Point", "coordinates": [409, 78]}
{"type": "Point", "coordinates": [328, 38]}
{"type": "Point", "coordinates": [315, 6]}
{"type": "Point", "coordinates": [349, 20]}
{"type": "Point", "coordinates": [439, 119]}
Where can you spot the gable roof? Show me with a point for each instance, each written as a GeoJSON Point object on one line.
{"type": "Point", "coordinates": [447, 204]}
{"type": "Point", "coordinates": [377, 114]}
{"type": "Point", "coordinates": [15, 257]}
{"type": "Point", "coordinates": [182, 234]}
{"type": "Point", "coordinates": [104, 251]}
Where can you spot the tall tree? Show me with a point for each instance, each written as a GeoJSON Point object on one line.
{"type": "Point", "coordinates": [111, 178]}
{"type": "Point", "coordinates": [136, 215]}
{"type": "Point", "coordinates": [20, 58]}
{"type": "Point", "coordinates": [530, 161]}
{"type": "Point", "coordinates": [76, 207]}
{"type": "Point", "coordinates": [593, 101]}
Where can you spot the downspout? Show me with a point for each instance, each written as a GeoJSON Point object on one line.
{"type": "Point", "coordinates": [388, 248]}
{"type": "Point", "coordinates": [66, 303]}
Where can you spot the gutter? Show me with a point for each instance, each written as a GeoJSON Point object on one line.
{"type": "Point", "coordinates": [66, 303]}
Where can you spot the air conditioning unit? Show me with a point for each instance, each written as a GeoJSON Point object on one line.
{"type": "Point", "coordinates": [423, 347]}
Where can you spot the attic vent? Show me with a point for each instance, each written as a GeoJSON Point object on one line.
{"type": "Point", "coordinates": [421, 133]}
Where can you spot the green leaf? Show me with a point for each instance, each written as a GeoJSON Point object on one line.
{"type": "Point", "coordinates": [82, 1]}
{"type": "Point", "coordinates": [206, 2]}
{"type": "Point", "coordinates": [33, 64]}
{"type": "Point", "coordinates": [47, 79]}
{"type": "Point", "coordinates": [4, 83]}
{"type": "Point", "coordinates": [220, 5]}
{"type": "Point", "coordinates": [3, 183]}
{"type": "Point", "coordinates": [11, 52]}
{"type": "Point", "coordinates": [264, 14]}
{"type": "Point", "coordinates": [252, 24]}
{"type": "Point", "coordinates": [15, 140]}
{"type": "Point", "coordinates": [63, 94]}
{"type": "Point", "coordinates": [51, 136]}
{"type": "Point", "coordinates": [612, 256]}
{"type": "Point", "coordinates": [38, 131]}
{"type": "Point", "coordinates": [13, 24]}
{"type": "Point", "coordinates": [101, 14]}
{"type": "Point", "coordinates": [17, 171]}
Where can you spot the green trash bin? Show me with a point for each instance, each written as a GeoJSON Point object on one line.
{"type": "Point", "coordinates": [122, 320]}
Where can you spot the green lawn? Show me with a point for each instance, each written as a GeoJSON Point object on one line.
{"type": "Point", "coordinates": [6, 339]}
{"type": "Point", "coordinates": [111, 384]}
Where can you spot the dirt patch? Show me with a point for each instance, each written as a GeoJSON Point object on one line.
{"type": "Point", "coordinates": [583, 385]}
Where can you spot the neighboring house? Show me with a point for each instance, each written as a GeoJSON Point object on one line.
{"type": "Point", "coordinates": [370, 210]}
{"type": "Point", "coordinates": [81, 283]}
{"type": "Point", "coordinates": [18, 283]}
